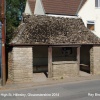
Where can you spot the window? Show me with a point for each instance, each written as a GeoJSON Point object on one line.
{"type": "Point", "coordinates": [90, 25]}
{"type": "Point", "coordinates": [97, 3]}
{"type": "Point", "coordinates": [66, 51]}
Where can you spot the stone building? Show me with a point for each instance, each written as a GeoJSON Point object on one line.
{"type": "Point", "coordinates": [59, 46]}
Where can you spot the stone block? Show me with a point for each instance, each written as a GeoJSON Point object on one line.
{"type": "Point", "coordinates": [20, 64]}
{"type": "Point", "coordinates": [95, 60]}
{"type": "Point", "coordinates": [65, 69]}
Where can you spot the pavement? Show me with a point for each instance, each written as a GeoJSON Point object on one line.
{"type": "Point", "coordinates": [85, 74]}
{"type": "Point", "coordinates": [39, 77]}
{"type": "Point", "coordinates": [78, 90]}
{"type": "Point", "coordinates": [49, 81]}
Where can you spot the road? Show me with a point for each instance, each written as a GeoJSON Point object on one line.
{"type": "Point", "coordinates": [87, 90]}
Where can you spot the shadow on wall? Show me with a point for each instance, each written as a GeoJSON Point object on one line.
{"type": "Point", "coordinates": [40, 59]}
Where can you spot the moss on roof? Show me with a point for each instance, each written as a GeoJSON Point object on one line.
{"type": "Point", "coordinates": [53, 30]}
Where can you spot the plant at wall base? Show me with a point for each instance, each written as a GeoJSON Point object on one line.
{"type": "Point", "coordinates": [14, 10]}
{"type": "Point", "coordinates": [62, 78]}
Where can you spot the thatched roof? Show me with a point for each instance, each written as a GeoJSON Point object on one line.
{"type": "Point", "coordinates": [53, 30]}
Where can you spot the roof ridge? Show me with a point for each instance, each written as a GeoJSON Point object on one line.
{"type": "Point", "coordinates": [79, 6]}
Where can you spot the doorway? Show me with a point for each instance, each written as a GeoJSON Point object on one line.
{"type": "Point", "coordinates": [40, 62]}
{"type": "Point", "coordinates": [85, 59]}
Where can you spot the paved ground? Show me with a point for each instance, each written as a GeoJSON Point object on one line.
{"type": "Point", "coordinates": [87, 90]}
{"type": "Point", "coordinates": [10, 86]}
{"type": "Point", "coordinates": [42, 77]}
{"type": "Point", "coordinates": [39, 77]}
{"type": "Point", "coordinates": [82, 73]}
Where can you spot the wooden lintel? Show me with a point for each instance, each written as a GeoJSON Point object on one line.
{"type": "Point", "coordinates": [49, 62]}
{"type": "Point", "coordinates": [67, 46]}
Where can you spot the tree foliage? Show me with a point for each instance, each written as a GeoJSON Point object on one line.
{"type": "Point", "coordinates": [0, 11]}
{"type": "Point", "coordinates": [14, 10]}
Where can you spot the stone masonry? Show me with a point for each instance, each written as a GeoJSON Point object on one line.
{"type": "Point", "coordinates": [95, 60]}
{"type": "Point", "coordinates": [20, 64]}
{"type": "Point", "coordinates": [65, 69]}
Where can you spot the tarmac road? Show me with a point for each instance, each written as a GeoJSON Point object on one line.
{"type": "Point", "coordinates": [86, 90]}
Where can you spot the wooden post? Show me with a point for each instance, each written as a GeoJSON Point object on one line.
{"type": "Point", "coordinates": [78, 56]}
{"type": "Point", "coordinates": [49, 62]}
{"type": "Point", "coordinates": [3, 43]}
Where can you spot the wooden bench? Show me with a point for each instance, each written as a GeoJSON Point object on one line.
{"type": "Point", "coordinates": [85, 67]}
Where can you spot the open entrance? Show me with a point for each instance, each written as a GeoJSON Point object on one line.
{"type": "Point", "coordinates": [85, 59]}
{"type": "Point", "coordinates": [64, 54]}
{"type": "Point", "coordinates": [40, 62]}
{"type": "Point", "coordinates": [65, 61]}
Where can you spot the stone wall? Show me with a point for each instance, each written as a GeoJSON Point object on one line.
{"type": "Point", "coordinates": [10, 66]}
{"type": "Point", "coordinates": [91, 61]}
{"type": "Point", "coordinates": [20, 62]}
{"type": "Point", "coordinates": [95, 60]}
{"type": "Point", "coordinates": [65, 68]}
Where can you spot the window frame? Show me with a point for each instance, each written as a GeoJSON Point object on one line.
{"type": "Point", "coordinates": [91, 22]}
{"type": "Point", "coordinates": [98, 4]}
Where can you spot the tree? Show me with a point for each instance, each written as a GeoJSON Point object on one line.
{"type": "Point", "coordinates": [0, 10]}
{"type": "Point", "coordinates": [14, 10]}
